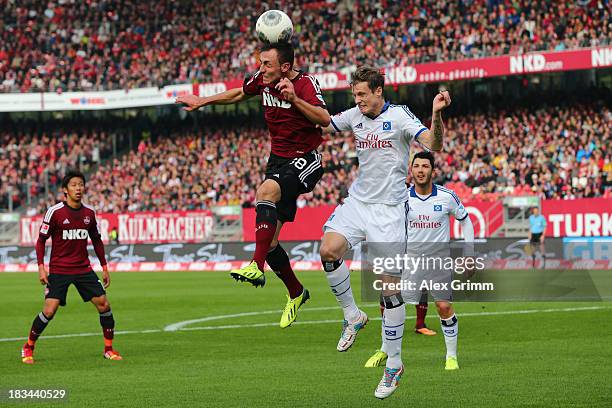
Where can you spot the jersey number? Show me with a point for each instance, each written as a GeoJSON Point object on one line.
{"type": "Point", "coordinates": [299, 163]}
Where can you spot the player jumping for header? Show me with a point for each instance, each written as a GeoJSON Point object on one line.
{"type": "Point", "coordinates": [295, 113]}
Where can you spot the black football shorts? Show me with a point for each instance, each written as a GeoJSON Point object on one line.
{"type": "Point", "coordinates": [295, 176]}
{"type": "Point", "coordinates": [88, 285]}
{"type": "Point", "coordinates": [535, 238]}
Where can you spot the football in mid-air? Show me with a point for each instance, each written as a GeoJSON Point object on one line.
{"type": "Point", "coordinates": [274, 26]}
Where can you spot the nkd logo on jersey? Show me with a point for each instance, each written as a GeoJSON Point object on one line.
{"type": "Point", "coordinates": [75, 234]}
{"type": "Point", "coordinates": [271, 100]}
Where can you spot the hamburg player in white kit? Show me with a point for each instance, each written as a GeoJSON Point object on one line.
{"type": "Point", "coordinates": [429, 208]}
{"type": "Point", "coordinates": [428, 211]}
{"type": "Point", "coordinates": [375, 206]}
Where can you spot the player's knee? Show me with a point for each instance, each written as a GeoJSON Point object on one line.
{"type": "Point", "coordinates": [50, 307]}
{"type": "Point", "coordinates": [445, 309]}
{"type": "Point", "coordinates": [270, 191]}
{"type": "Point", "coordinates": [102, 304]}
{"type": "Point", "coordinates": [50, 310]}
{"type": "Point", "coordinates": [333, 247]}
{"type": "Point", "coordinates": [329, 253]}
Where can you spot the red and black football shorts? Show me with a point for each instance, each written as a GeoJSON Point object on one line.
{"type": "Point", "coordinates": [88, 285]}
{"type": "Point", "coordinates": [295, 176]}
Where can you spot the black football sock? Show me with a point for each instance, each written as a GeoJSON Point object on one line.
{"type": "Point", "coordinates": [38, 326]}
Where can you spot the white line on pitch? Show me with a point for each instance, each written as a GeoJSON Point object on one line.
{"type": "Point", "coordinates": [243, 326]}
{"type": "Point", "coordinates": [505, 312]}
{"type": "Point", "coordinates": [181, 325]}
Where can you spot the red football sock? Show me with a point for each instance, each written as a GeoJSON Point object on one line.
{"type": "Point", "coordinates": [264, 235]}
{"type": "Point", "coordinates": [265, 229]}
{"type": "Point", "coordinates": [421, 312]}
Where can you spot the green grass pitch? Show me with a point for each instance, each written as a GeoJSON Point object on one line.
{"type": "Point", "coordinates": [555, 355]}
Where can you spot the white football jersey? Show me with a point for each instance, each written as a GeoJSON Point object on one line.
{"type": "Point", "coordinates": [428, 218]}
{"type": "Point", "coordinates": [383, 150]}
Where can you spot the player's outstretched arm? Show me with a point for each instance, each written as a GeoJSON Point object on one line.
{"type": "Point", "coordinates": [193, 102]}
{"type": "Point", "coordinates": [432, 139]}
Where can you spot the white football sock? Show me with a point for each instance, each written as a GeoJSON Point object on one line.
{"type": "Point", "coordinates": [340, 284]}
{"type": "Point", "coordinates": [383, 346]}
{"type": "Point", "coordinates": [393, 331]}
{"type": "Point", "coordinates": [450, 328]}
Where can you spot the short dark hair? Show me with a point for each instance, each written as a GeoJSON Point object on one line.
{"type": "Point", "coordinates": [370, 75]}
{"type": "Point", "coordinates": [70, 175]}
{"type": "Point", "coordinates": [424, 155]}
{"type": "Point", "coordinates": [284, 50]}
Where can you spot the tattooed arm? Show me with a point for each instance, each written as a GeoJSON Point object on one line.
{"type": "Point", "coordinates": [432, 139]}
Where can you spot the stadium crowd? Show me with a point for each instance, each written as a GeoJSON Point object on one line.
{"type": "Point", "coordinates": [69, 45]}
{"type": "Point", "coordinates": [556, 152]}
{"type": "Point", "coordinates": [32, 162]}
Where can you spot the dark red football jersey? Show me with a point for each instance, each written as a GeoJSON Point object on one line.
{"type": "Point", "coordinates": [69, 230]}
{"type": "Point", "coordinates": [293, 135]}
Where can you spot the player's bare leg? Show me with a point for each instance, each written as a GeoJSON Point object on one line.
{"type": "Point", "coordinates": [543, 253]}
{"type": "Point", "coordinates": [393, 332]}
{"type": "Point", "coordinates": [107, 321]}
{"type": "Point", "coordinates": [38, 325]}
{"type": "Point", "coordinates": [278, 260]}
{"type": "Point", "coordinates": [268, 194]}
{"type": "Point", "coordinates": [333, 248]}
{"type": "Point", "coordinates": [450, 329]}
{"type": "Point", "coordinates": [533, 247]}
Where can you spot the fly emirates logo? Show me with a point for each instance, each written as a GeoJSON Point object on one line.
{"type": "Point", "coordinates": [424, 222]}
{"type": "Point", "coordinates": [373, 141]}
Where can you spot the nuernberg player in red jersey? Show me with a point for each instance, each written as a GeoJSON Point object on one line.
{"type": "Point", "coordinates": [69, 224]}
{"type": "Point", "coordinates": [295, 113]}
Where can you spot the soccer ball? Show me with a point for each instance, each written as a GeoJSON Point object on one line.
{"type": "Point", "coordinates": [274, 26]}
